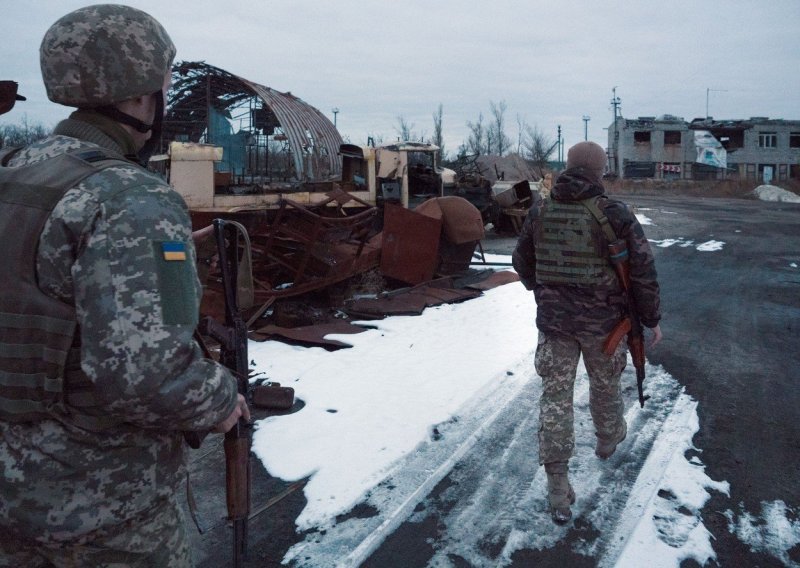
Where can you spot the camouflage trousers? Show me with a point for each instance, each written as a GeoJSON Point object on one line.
{"type": "Point", "coordinates": [556, 361]}
{"type": "Point", "coordinates": [157, 538]}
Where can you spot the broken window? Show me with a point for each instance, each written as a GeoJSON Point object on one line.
{"type": "Point", "coordinates": [767, 140]}
{"type": "Point", "coordinates": [640, 169]}
{"type": "Point", "coordinates": [729, 138]}
{"type": "Point", "coordinates": [794, 140]}
{"type": "Point", "coordinates": [672, 137]}
{"type": "Point", "coordinates": [641, 137]}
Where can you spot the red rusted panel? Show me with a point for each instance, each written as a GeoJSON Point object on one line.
{"type": "Point", "coordinates": [495, 279]}
{"type": "Point", "coordinates": [307, 335]}
{"type": "Point", "coordinates": [409, 302]}
{"type": "Point", "coordinates": [410, 249]}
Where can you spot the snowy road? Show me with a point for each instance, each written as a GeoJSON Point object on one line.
{"type": "Point", "coordinates": [475, 493]}
{"type": "Point", "coordinates": [418, 444]}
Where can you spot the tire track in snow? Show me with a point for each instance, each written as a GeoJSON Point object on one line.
{"type": "Point", "coordinates": [493, 503]}
{"type": "Point", "coordinates": [498, 492]}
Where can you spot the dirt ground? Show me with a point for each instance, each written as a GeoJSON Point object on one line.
{"type": "Point", "coordinates": [690, 188]}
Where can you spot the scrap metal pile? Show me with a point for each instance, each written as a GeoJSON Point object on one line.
{"type": "Point", "coordinates": [333, 228]}
{"type": "Point", "coordinates": [312, 268]}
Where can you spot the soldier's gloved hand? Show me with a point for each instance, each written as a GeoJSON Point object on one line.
{"type": "Point", "coordinates": [656, 338]}
{"type": "Point", "coordinates": [240, 411]}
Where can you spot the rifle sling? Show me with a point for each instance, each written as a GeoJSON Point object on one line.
{"type": "Point", "coordinates": [597, 213]}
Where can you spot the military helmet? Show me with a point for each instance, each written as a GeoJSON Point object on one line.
{"type": "Point", "coordinates": [103, 54]}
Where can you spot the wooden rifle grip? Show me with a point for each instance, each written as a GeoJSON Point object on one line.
{"type": "Point", "coordinates": [612, 341]}
{"type": "Point", "coordinates": [236, 479]}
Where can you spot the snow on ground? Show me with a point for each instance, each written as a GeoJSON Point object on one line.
{"type": "Point", "coordinates": [670, 530]}
{"type": "Point", "coordinates": [369, 406]}
{"type": "Point", "coordinates": [775, 193]}
{"type": "Point", "coordinates": [643, 219]}
{"type": "Point", "coordinates": [776, 532]}
{"type": "Point", "coordinates": [708, 246]}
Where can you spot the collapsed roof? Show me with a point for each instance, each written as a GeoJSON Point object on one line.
{"type": "Point", "coordinates": [254, 124]}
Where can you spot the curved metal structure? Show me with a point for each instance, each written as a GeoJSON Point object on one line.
{"type": "Point", "coordinates": [275, 130]}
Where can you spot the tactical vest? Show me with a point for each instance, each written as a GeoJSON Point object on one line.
{"type": "Point", "coordinates": [568, 247]}
{"type": "Point", "coordinates": [40, 374]}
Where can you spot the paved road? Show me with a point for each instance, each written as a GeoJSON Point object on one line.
{"type": "Point", "coordinates": [731, 338]}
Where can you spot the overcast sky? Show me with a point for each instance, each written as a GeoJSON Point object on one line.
{"type": "Point", "coordinates": [552, 62]}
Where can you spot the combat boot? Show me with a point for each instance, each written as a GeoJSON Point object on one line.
{"type": "Point", "coordinates": [559, 491]}
{"type": "Point", "coordinates": [606, 448]}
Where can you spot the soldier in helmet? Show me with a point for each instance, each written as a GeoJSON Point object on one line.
{"type": "Point", "coordinates": [99, 374]}
{"type": "Point", "coordinates": [562, 256]}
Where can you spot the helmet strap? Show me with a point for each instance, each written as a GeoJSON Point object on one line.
{"type": "Point", "coordinates": [149, 147]}
{"type": "Point", "coordinates": [155, 130]}
{"type": "Point", "coordinates": [114, 113]}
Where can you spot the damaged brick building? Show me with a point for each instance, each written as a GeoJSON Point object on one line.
{"type": "Point", "coordinates": [667, 147]}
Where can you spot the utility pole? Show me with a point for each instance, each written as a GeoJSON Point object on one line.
{"type": "Point", "coordinates": [616, 103]}
{"type": "Point", "coordinates": [335, 111]}
{"type": "Point", "coordinates": [586, 119]}
{"type": "Point", "coordinates": [716, 91]}
{"type": "Point", "coordinates": [560, 148]}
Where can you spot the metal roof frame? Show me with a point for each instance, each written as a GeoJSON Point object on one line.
{"type": "Point", "coordinates": [312, 138]}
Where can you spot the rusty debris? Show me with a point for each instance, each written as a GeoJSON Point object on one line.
{"type": "Point", "coordinates": [308, 335]}
{"type": "Point", "coordinates": [514, 198]}
{"type": "Point", "coordinates": [320, 213]}
{"type": "Point", "coordinates": [410, 245]}
{"type": "Point", "coordinates": [307, 248]}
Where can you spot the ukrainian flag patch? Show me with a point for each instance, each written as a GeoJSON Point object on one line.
{"type": "Point", "coordinates": [173, 250]}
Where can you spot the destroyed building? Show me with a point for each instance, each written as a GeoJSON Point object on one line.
{"type": "Point", "coordinates": [266, 135]}
{"type": "Point", "coordinates": [668, 147]}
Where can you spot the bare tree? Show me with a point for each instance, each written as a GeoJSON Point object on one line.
{"type": "Point", "coordinates": [537, 147]}
{"type": "Point", "coordinates": [404, 129]}
{"type": "Point", "coordinates": [522, 126]}
{"type": "Point", "coordinates": [438, 139]}
{"type": "Point", "coordinates": [476, 143]}
{"type": "Point", "coordinates": [406, 133]}
{"type": "Point", "coordinates": [22, 134]}
{"type": "Point", "coordinates": [500, 142]}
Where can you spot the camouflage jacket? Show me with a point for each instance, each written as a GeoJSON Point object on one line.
{"type": "Point", "coordinates": [99, 251]}
{"type": "Point", "coordinates": [581, 309]}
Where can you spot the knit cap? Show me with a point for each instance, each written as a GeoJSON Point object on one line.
{"type": "Point", "coordinates": [587, 155]}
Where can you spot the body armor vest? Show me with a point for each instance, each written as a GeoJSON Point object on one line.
{"type": "Point", "coordinates": [39, 345]}
{"type": "Point", "coordinates": [568, 247]}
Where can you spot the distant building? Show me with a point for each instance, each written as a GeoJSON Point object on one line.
{"type": "Point", "coordinates": [668, 147]}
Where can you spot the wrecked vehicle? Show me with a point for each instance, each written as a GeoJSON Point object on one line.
{"type": "Point", "coordinates": [313, 207]}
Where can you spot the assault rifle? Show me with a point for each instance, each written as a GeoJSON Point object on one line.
{"type": "Point", "coordinates": [232, 338]}
{"type": "Point", "coordinates": [630, 325]}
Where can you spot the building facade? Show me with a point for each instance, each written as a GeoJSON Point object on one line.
{"type": "Point", "coordinates": [668, 147]}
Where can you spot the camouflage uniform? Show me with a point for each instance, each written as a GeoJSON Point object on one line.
{"type": "Point", "coordinates": [76, 495]}
{"type": "Point", "coordinates": [573, 319]}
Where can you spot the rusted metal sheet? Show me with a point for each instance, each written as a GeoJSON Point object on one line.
{"type": "Point", "coordinates": [461, 220]}
{"type": "Point", "coordinates": [494, 280]}
{"type": "Point", "coordinates": [313, 335]}
{"type": "Point", "coordinates": [410, 248]}
{"type": "Point", "coordinates": [408, 302]}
